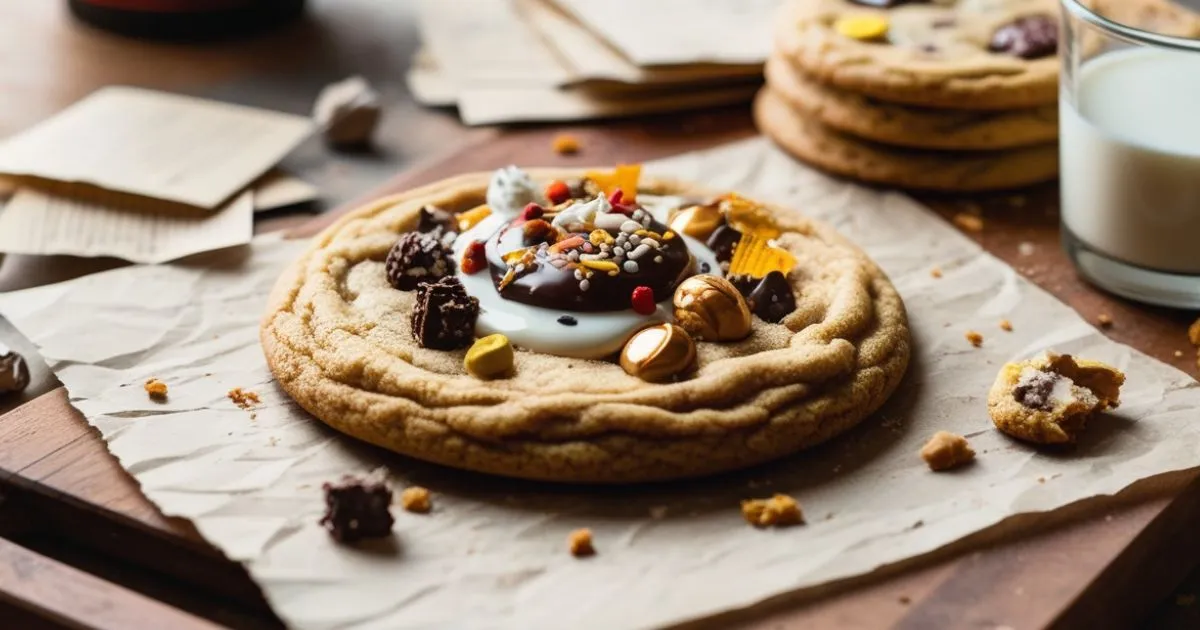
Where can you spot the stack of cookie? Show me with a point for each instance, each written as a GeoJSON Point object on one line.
{"type": "Point", "coordinates": [952, 95]}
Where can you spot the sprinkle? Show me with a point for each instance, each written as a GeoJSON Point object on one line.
{"type": "Point", "coordinates": [599, 237]}
{"type": "Point", "coordinates": [584, 285]}
{"type": "Point", "coordinates": [630, 226]}
{"type": "Point", "coordinates": [630, 266]}
{"type": "Point", "coordinates": [634, 239]}
{"type": "Point", "coordinates": [567, 243]}
{"type": "Point", "coordinates": [573, 255]}
{"type": "Point", "coordinates": [651, 242]}
{"type": "Point", "coordinates": [567, 320]}
{"type": "Point", "coordinates": [599, 265]}
{"type": "Point", "coordinates": [704, 267]}
{"type": "Point", "coordinates": [578, 274]}
{"type": "Point", "coordinates": [640, 251]}
{"type": "Point", "coordinates": [618, 251]}
{"type": "Point", "coordinates": [587, 247]}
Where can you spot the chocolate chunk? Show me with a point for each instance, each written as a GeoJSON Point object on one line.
{"type": "Point", "coordinates": [567, 320]}
{"type": "Point", "coordinates": [705, 267]}
{"type": "Point", "coordinates": [357, 509]}
{"type": "Point", "coordinates": [744, 283]}
{"type": "Point", "coordinates": [434, 218]}
{"type": "Point", "coordinates": [722, 242]}
{"type": "Point", "coordinates": [14, 372]}
{"type": "Point", "coordinates": [772, 299]}
{"type": "Point", "coordinates": [444, 317]}
{"type": "Point", "coordinates": [1030, 37]}
{"type": "Point", "coordinates": [1034, 390]}
{"type": "Point", "coordinates": [418, 258]}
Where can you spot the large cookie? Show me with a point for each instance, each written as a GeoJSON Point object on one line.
{"type": "Point", "coordinates": [963, 54]}
{"type": "Point", "coordinates": [907, 125]}
{"type": "Point", "coordinates": [951, 171]}
{"type": "Point", "coordinates": [339, 340]}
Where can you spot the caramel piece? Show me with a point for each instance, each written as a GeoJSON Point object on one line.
{"type": "Point", "coordinates": [579, 542]}
{"type": "Point", "coordinates": [416, 499]}
{"type": "Point", "coordinates": [156, 389]}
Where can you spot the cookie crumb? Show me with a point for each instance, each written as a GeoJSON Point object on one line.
{"type": "Point", "coordinates": [905, 599]}
{"type": "Point", "coordinates": [946, 450]}
{"type": "Point", "coordinates": [415, 499]}
{"type": "Point", "coordinates": [968, 222]}
{"type": "Point", "coordinates": [1025, 248]}
{"type": "Point", "coordinates": [936, 272]}
{"type": "Point", "coordinates": [273, 441]}
{"type": "Point", "coordinates": [974, 338]}
{"type": "Point", "coordinates": [1104, 320]}
{"type": "Point", "coordinates": [1041, 480]}
{"type": "Point", "coordinates": [580, 543]}
{"type": "Point", "coordinates": [1178, 353]}
{"type": "Point", "coordinates": [1005, 325]}
{"type": "Point", "coordinates": [243, 398]}
{"type": "Point", "coordinates": [156, 389]}
{"type": "Point", "coordinates": [1186, 599]}
{"type": "Point", "coordinates": [777, 511]}
{"type": "Point", "coordinates": [566, 144]}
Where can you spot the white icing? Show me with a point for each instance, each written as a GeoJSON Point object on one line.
{"type": "Point", "coordinates": [510, 190]}
{"type": "Point", "coordinates": [595, 335]}
{"type": "Point", "coordinates": [578, 216]}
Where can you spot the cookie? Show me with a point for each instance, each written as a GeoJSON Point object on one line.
{"type": "Point", "coordinates": [839, 153]}
{"type": "Point", "coordinates": [1050, 398]}
{"type": "Point", "coordinates": [338, 337]}
{"type": "Point", "coordinates": [906, 125]}
{"type": "Point", "coordinates": [962, 54]}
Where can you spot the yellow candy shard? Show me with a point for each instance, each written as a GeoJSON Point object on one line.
{"type": "Point", "coordinates": [864, 28]}
{"type": "Point", "coordinates": [601, 265]}
{"type": "Point", "coordinates": [600, 237]}
{"type": "Point", "coordinates": [472, 217]}
{"type": "Point", "coordinates": [625, 178]}
{"type": "Point", "coordinates": [748, 217]}
{"type": "Point", "coordinates": [755, 258]}
{"type": "Point", "coordinates": [490, 357]}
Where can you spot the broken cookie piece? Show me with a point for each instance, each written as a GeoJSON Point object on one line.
{"type": "Point", "coordinates": [357, 508]}
{"type": "Point", "coordinates": [415, 499]}
{"type": "Point", "coordinates": [156, 389]}
{"type": "Point", "coordinates": [946, 450]}
{"type": "Point", "coordinates": [580, 543]}
{"type": "Point", "coordinates": [777, 511]}
{"type": "Point", "coordinates": [1049, 399]}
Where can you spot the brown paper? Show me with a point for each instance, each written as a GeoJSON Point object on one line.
{"type": "Point", "coordinates": [99, 223]}
{"type": "Point", "coordinates": [164, 146]}
{"type": "Point", "coordinates": [279, 189]}
{"type": "Point", "coordinates": [492, 554]}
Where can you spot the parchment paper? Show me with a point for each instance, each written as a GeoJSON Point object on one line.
{"type": "Point", "coordinates": [492, 554]}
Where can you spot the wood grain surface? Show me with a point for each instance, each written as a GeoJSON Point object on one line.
{"type": "Point", "coordinates": [1094, 565]}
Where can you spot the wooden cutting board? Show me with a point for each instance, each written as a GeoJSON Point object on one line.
{"type": "Point", "coordinates": [1097, 564]}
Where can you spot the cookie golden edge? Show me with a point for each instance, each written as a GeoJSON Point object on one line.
{"type": "Point", "coordinates": [842, 154]}
{"type": "Point", "coordinates": [879, 362]}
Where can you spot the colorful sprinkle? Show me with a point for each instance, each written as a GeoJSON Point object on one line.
{"type": "Point", "coordinates": [642, 300]}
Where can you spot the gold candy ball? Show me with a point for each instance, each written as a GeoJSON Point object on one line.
{"type": "Point", "coordinates": [659, 352]}
{"type": "Point", "coordinates": [712, 309]}
{"type": "Point", "coordinates": [490, 357]}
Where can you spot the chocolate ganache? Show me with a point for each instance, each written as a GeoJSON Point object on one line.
{"type": "Point", "coordinates": [586, 256]}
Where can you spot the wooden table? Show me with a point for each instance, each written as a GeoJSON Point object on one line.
{"type": "Point", "coordinates": [67, 504]}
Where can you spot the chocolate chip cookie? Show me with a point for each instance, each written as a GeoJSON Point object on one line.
{"type": "Point", "coordinates": [952, 171]}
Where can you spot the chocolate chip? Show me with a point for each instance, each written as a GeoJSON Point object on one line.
{"type": "Point", "coordinates": [744, 283]}
{"type": "Point", "coordinates": [435, 218]}
{"type": "Point", "coordinates": [357, 509]}
{"type": "Point", "coordinates": [1034, 391]}
{"type": "Point", "coordinates": [14, 372]}
{"type": "Point", "coordinates": [416, 258]}
{"type": "Point", "coordinates": [444, 317]}
{"type": "Point", "coordinates": [1030, 37]}
{"type": "Point", "coordinates": [722, 241]}
{"type": "Point", "coordinates": [705, 267]}
{"type": "Point", "coordinates": [772, 299]}
{"type": "Point", "coordinates": [567, 320]}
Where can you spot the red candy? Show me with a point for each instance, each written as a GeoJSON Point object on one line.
{"type": "Point", "coordinates": [474, 258]}
{"type": "Point", "coordinates": [558, 191]}
{"type": "Point", "coordinates": [616, 197]}
{"type": "Point", "coordinates": [531, 212]}
{"type": "Point", "coordinates": [643, 300]}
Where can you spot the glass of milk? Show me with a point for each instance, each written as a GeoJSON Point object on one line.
{"type": "Point", "coordinates": [1130, 149]}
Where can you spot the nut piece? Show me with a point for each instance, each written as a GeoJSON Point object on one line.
{"type": "Point", "coordinates": [489, 357]}
{"type": "Point", "coordinates": [698, 222]}
{"type": "Point", "coordinates": [778, 511]}
{"type": "Point", "coordinates": [156, 389]}
{"type": "Point", "coordinates": [14, 372]}
{"type": "Point", "coordinates": [712, 309]}
{"type": "Point", "coordinates": [415, 499]}
{"type": "Point", "coordinates": [658, 353]}
{"type": "Point", "coordinates": [1049, 399]}
{"type": "Point", "coordinates": [974, 338]}
{"type": "Point", "coordinates": [580, 543]}
{"type": "Point", "coordinates": [946, 450]}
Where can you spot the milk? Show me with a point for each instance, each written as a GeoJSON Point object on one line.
{"type": "Point", "coordinates": [1131, 158]}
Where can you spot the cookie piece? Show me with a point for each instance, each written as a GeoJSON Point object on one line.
{"type": "Point", "coordinates": [947, 450]}
{"type": "Point", "coordinates": [910, 126]}
{"type": "Point", "coordinates": [845, 155]}
{"type": "Point", "coordinates": [337, 338]}
{"type": "Point", "coordinates": [948, 54]}
{"type": "Point", "coordinates": [1050, 398]}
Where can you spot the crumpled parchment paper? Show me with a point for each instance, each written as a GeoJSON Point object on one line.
{"type": "Point", "coordinates": [493, 552]}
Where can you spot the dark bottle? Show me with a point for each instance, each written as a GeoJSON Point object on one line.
{"type": "Point", "coordinates": [186, 20]}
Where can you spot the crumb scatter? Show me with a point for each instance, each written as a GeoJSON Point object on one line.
{"type": "Point", "coordinates": [777, 511]}
{"type": "Point", "coordinates": [243, 398]}
{"type": "Point", "coordinates": [946, 450]}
